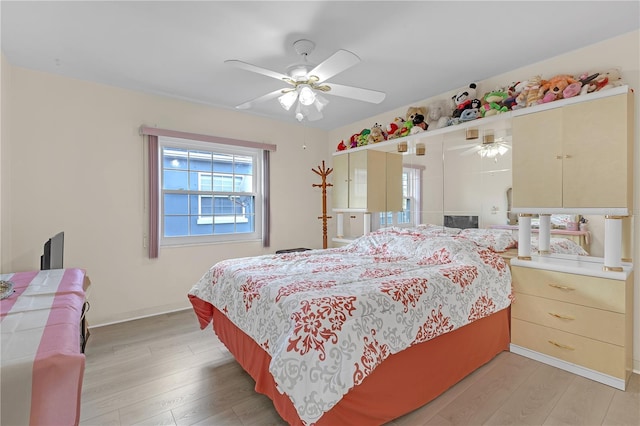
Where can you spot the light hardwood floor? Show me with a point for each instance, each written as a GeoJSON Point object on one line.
{"type": "Point", "coordinates": [166, 371]}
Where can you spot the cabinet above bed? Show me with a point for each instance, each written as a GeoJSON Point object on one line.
{"type": "Point", "coordinates": [456, 181]}
{"type": "Point", "coordinates": [577, 156]}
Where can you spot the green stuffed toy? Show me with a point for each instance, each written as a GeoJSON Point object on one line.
{"type": "Point", "coordinates": [492, 103]}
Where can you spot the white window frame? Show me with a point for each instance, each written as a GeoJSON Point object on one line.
{"type": "Point", "coordinates": [254, 153]}
{"type": "Point", "coordinates": [414, 194]}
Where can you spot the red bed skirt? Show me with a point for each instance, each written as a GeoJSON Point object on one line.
{"type": "Point", "coordinates": [403, 382]}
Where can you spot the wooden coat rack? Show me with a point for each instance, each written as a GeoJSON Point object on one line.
{"type": "Point", "coordinates": [323, 173]}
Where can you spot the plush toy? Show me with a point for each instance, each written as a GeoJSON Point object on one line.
{"type": "Point", "coordinates": [492, 103]}
{"type": "Point", "coordinates": [520, 92]}
{"type": "Point", "coordinates": [469, 114]}
{"type": "Point", "coordinates": [532, 90]}
{"type": "Point", "coordinates": [405, 129]}
{"type": "Point", "coordinates": [439, 112]}
{"type": "Point", "coordinates": [462, 99]}
{"type": "Point", "coordinates": [393, 129]}
{"type": "Point", "coordinates": [363, 137]}
{"type": "Point", "coordinates": [586, 80]}
{"type": "Point", "coordinates": [511, 93]}
{"type": "Point", "coordinates": [552, 89]}
{"type": "Point", "coordinates": [609, 79]}
{"type": "Point", "coordinates": [376, 134]}
{"type": "Point", "coordinates": [413, 111]}
{"type": "Point", "coordinates": [572, 90]}
{"type": "Point", "coordinates": [342, 146]}
{"type": "Point", "coordinates": [419, 125]}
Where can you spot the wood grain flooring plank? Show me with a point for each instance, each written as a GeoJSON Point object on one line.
{"type": "Point", "coordinates": [482, 399]}
{"type": "Point", "coordinates": [625, 406]}
{"type": "Point", "coordinates": [585, 402]}
{"type": "Point", "coordinates": [165, 370]}
{"type": "Point", "coordinates": [533, 401]}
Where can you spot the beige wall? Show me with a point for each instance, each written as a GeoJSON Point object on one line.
{"type": "Point", "coordinates": [623, 52]}
{"type": "Point", "coordinates": [78, 166]}
{"type": "Point", "coordinates": [72, 160]}
{"type": "Point", "coordinates": [5, 73]}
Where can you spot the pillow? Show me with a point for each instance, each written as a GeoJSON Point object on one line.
{"type": "Point", "coordinates": [561, 246]}
{"type": "Point", "coordinates": [430, 229]}
{"type": "Point", "coordinates": [498, 240]}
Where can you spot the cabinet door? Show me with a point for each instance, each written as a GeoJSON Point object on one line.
{"type": "Point", "coordinates": [596, 153]}
{"type": "Point", "coordinates": [394, 183]}
{"type": "Point", "coordinates": [341, 181]}
{"type": "Point", "coordinates": [537, 159]}
{"type": "Point", "coordinates": [358, 180]}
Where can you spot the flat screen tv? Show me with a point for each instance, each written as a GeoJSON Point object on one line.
{"type": "Point", "coordinates": [462, 222]}
{"type": "Point", "coordinates": [53, 252]}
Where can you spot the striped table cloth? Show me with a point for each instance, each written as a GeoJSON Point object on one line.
{"type": "Point", "coordinates": [41, 363]}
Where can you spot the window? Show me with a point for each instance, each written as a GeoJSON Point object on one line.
{"type": "Point", "coordinates": [411, 203]}
{"type": "Point", "coordinates": [208, 192]}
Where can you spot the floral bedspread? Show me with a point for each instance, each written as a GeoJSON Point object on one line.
{"type": "Point", "coordinates": [328, 317]}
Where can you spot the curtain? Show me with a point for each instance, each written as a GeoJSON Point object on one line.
{"type": "Point", "coordinates": [152, 134]}
{"type": "Point", "coordinates": [154, 192]}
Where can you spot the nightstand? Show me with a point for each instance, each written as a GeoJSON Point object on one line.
{"type": "Point", "coordinates": [574, 316]}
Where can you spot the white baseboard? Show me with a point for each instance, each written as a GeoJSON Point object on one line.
{"type": "Point", "coordinates": [91, 327]}
{"type": "Point", "coordinates": [614, 382]}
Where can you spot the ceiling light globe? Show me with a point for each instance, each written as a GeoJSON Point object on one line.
{"type": "Point", "coordinates": [307, 96]}
{"type": "Point", "coordinates": [288, 99]}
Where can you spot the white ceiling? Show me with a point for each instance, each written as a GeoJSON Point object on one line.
{"type": "Point", "coordinates": [409, 50]}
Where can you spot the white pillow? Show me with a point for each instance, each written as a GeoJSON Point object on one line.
{"type": "Point", "coordinates": [498, 240]}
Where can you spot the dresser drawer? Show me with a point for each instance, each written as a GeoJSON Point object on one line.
{"type": "Point", "coordinates": [584, 290]}
{"type": "Point", "coordinates": [589, 322]}
{"type": "Point", "coordinates": [595, 355]}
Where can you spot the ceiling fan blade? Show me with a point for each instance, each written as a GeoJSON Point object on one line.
{"type": "Point", "coordinates": [335, 64]}
{"type": "Point", "coordinates": [257, 69]}
{"type": "Point", "coordinates": [366, 95]}
{"type": "Point", "coordinates": [466, 145]}
{"type": "Point", "coordinates": [471, 150]}
{"type": "Point", "coordinates": [262, 98]}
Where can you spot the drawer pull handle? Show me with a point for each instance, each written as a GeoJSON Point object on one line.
{"type": "Point", "coordinates": [561, 346]}
{"type": "Point", "coordinates": [561, 287]}
{"type": "Point", "coordinates": [561, 316]}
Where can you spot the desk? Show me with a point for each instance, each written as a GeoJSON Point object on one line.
{"type": "Point", "coordinates": [41, 362]}
{"type": "Point", "coordinates": [579, 237]}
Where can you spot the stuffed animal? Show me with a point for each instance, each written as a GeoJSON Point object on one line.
{"type": "Point", "coordinates": [419, 125]}
{"type": "Point", "coordinates": [405, 129]}
{"type": "Point", "coordinates": [413, 111]}
{"type": "Point", "coordinates": [376, 134]}
{"type": "Point", "coordinates": [462, 99]}
{"type": "Point", "coordinates": [363, 137]}
{"type": "Point", "coordinates": [511, 93]}
{"type": "Point", "coordinates": [393, 129]}
{"type": "Point", "coordinates": [439, 112]}
{"type": "Point", "coordinates": [492, 103]}
{"type": "Point", "coordinates": [552, 89]}
{"type": "Point", "coordinates": [572, 90]}
{"type": "Point", "coordinates": [533, 90]}
{"type": "Point", "coordinates": [520, 92]}
{"type": "Point", "coordinates": [470, 114]}
{"type": "Point", "coordinates": [609, 79]}
{"type": "Point", "coordinates": [342, 146]}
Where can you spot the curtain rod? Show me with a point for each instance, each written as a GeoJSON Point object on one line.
{"type": "Point", "coordinates": [154, 131]}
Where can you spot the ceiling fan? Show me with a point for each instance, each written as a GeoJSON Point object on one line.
{"type": "Point", "coordinates": [490, 147]}
{"type": "Point", "coordinates": [306, 81]}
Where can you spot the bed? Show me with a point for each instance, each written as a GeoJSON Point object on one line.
{"type": "Point", "coordinates": [364, 333]}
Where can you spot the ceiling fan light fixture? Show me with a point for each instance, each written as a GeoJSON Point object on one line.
{"type": "Point", "coordinates": [320, 102]}
{"type": "Point", "coordinates": [307, 95]}
{"type": "Point", "coordinates": [492, 150]}
{"type": "Point", "coordinates": [299, 115]}
{"type": "Point", "coordinates": [288, 99]}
